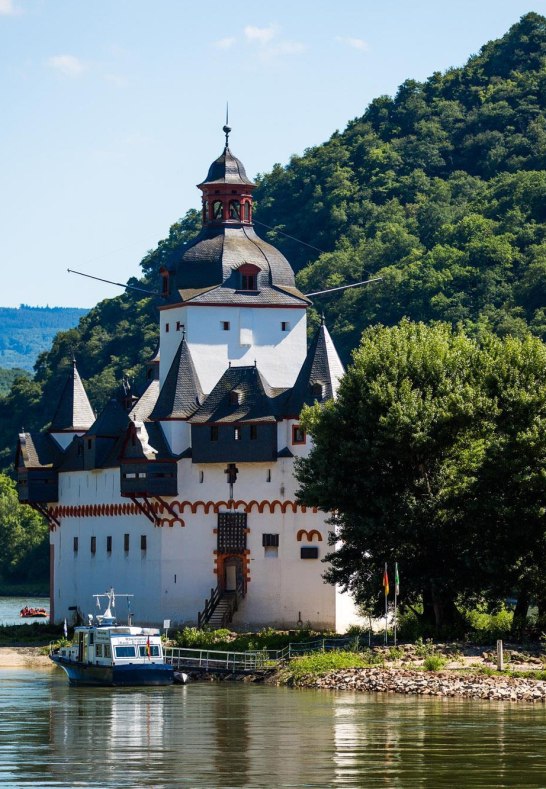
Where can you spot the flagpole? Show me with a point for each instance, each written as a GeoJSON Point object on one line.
{"type": "Point", "coordinates": [395, 599]}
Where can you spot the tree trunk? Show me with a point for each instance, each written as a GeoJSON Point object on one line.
{"type": "Point", "coordinates": [519, 621]}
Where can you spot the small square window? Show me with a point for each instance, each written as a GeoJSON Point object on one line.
{"type": "Point", "coordinates": [224, 325]}
{"type": "Point", "coordinates": [214, 433]}
{"type": "Point", "coordinates": [298, 434]}
{"type": "Point", "coordinates": [270, 540]}
{"type": "Point", "coordinates": [126, 543]}
{"type": "Point", "coordinates": [143, 542]}
{"type": "Point", "coordinates": [93, 545]}
{"type": "Point", "coordinates": [310, 552]}
{"type": "Point", "coordinates": [75, 545]}
{"type": "Point", "coordinates": [108, 544]}
{"type": "Point", "coordinates": [179, 325]}
{"type": "Point", "coordinates": [285, 326]}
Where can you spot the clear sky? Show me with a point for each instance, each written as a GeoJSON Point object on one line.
{"type": "Point", "coordinates": [111, 110]}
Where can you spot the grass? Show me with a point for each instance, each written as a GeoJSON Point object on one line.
{"type": "Point", "coordinates": [434, 662]}
{"type": "Point", "coordinates": [192, 637]}
{"type": "Point", "coordinates": [323, 662]}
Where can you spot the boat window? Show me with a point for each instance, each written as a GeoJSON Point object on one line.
{"type": "Point", "coordinates": [91, 639]}
{"type": "Point", "coordinates": [107, 652]}
{"type": "Point", "coordinates": [98, 650]}
{"type": "Point", "coordinates": [125, 652]}
{"type": "Point", "coordinates": [154, 650]}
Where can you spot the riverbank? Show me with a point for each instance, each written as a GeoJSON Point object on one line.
{"type": "Point", "coordinates": [24, 657]}
{"type": "Point", "coordinates": [447, 684]}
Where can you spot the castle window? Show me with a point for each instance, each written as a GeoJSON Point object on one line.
{"type": "Point", "coordinates": [253, 432]}
{"type": "Point", "coordinates": [201, 476]}
{"type": "Point", "coordinates": [234, 209]}
{"type": "Point", "coordinates": [75, 545]}
{"type": "Point", "coordinates": [179, 325]}
{"type": "Point", "coordinates": [237, 433]}
{"type": "Point", "coordinates": [217, 209]}
{"type": "Point", "coordinates": [126, 543]}
{"type": "Point", "coordinates": [143, 542]}
{"type": "Point", "coordinates": [298, 435]}
{"type": "Point", "coordinates": [268, 475]}
{"type": "Point", "coordinates": [224, 325]}
{"type": "Point", "coordinates": [317, 391]}
{"type": "Point", "coordinates": [167, 327]}
{"type": "Point", "coordinates": [205, 210]}
{"type": "Point", "coordinates": [285, 326]}
{"type": "Point", "coordinates": [108, 544]}
{"type": "Point", "coordinates": [93, 545]}
{"type": "Point", "coordinates": [246, 211]}
{"type": "Point", "coordinates": [270, 540]}
{"type": "Point", "coordinates": [309, 552]}
{"type": "Point", "coordinates": [249, 276]}
{"type": "Point", "coordinates": [234, 397]}
{"type": "Point", "coordinates": [214, 433]}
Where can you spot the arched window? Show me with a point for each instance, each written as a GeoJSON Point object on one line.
{"type": "Point", "coordinates": [234, 209]}
{"type": "Point", "coordinates": [217, 210]}
{"type": "Point", "coordinates": [205, 211]}
{"type": "Point", "coordinates": [317, 390]}
{"type": "Point", "coordinates": [249, 277]}
{"type": "Point", "coordinates": [246, 211]}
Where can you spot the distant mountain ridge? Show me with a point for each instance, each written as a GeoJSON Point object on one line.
{"type": "Point", "coordinates": [26, 331]}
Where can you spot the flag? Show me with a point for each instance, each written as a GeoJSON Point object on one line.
{"type": "Point", "coordinates": [396, 580]}
{"type": "Point", "coordinates": [65, 629]}
{"type": "Point", "coordinates": [386, 581]}
{"type": "Point", "coordinates": [148, 649]}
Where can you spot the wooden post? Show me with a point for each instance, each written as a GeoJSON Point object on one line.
{"type": "Point", "coordinates": [500, 656]}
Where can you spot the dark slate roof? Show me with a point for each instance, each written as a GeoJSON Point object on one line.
{"type": "Point", "coordinates": [146, 402]}
{"type": "Point", "coordinates": [258, 401]}
{"type": "Point", "coordinates": [181, 393]}
{"type": "Point", "coordinates": [38, 451]}
{"type": "Point", "coordinates": [321, 366]}
{"type": "Point", "coordinates": [156, 440]}
{"type": "Point", "coordinates": [267, 295]}
{"type": "Point", "coordinates": [227, 169]}
{"type": "Point", "coordinates": [112, 420]}
{"type": "Point", "coordinates": [285, 453]}
{"type": "Point", "coordinates": [74, 410]}
{"type": "Point", "coordinates": [213, 257]}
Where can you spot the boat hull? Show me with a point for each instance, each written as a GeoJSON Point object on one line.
{"type": "Point", "coordinates": [124, 675]}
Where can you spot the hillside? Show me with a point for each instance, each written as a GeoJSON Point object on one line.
{"type": "Point", "coordinates": [25, 332]}
{"type": "Point", "coordinates": [441, 190]}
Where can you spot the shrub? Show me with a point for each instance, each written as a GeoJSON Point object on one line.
{"type": "Point", "coordinates": [323, 662]}
{"type": "Point", "coordinates": [434, 663]}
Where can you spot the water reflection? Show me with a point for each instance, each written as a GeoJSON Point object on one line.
{"type": "Point", "coordinates": [236, 735]}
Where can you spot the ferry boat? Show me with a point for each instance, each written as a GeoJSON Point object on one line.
{"type": "Point", "coordinates": [105, 653]}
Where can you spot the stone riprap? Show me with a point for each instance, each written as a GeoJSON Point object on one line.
{"type": "Point", "coordinates": [421, 683]}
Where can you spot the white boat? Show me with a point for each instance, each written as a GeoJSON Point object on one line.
{"type": "Point", "coordinates": [105, 653]}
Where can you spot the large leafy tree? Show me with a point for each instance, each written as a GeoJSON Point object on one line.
{"type": "Point", "coordinates": [24, 538]}
{"type": "Point", "coordinates": [434, 456]}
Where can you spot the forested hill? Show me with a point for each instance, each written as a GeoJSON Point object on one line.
{"type": "Point", "coordinates": [441, 190]}
{"type": "Point", "coordinates": [25, 332]}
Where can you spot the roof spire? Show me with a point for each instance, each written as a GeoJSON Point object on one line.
{"type": "Point", "coordinates": [226, 129]}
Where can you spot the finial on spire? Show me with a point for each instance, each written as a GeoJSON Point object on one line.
{"type": "Point", "coordinates": [322, 319]}
{"type": "Point", "coordinates": [226, 129]}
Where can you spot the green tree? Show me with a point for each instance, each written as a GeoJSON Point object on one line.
{"type": "Point", "coordinates": [24, 550]}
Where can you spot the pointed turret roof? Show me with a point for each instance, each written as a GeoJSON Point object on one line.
{"type": "Point", "coordinates": [181, 393]}
{"type": "Point", "coordinates": [227, 169]}
{"type": "Point", "coordinates": [74, 412]}
{"type": "Point", "coordinates": [319, 377]}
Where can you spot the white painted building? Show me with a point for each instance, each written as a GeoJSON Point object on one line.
{"type": "Point", "coordinates": [186, 497]}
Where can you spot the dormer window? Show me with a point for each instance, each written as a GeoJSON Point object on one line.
{"type": "Point", "coordinates": [234, 397]}
{"type": "Point", "coordinates": [317, 391]}
{"type": "Point", "coordinates": [249, 277]}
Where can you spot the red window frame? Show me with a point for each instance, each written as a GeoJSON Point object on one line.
{"type": "Point", "coordinates": [296, 429]}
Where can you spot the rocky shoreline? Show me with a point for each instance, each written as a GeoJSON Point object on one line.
{"type": "Point", "coordinates": [446, 684]}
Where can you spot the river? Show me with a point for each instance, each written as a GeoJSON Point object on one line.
{"type": "Point", "coordinates": [242, 735]}
{"type": "Point", "coordinates": [10, 607]}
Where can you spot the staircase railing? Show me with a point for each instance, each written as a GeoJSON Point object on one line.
{"type": "Point", "coordinates": [216, 597]}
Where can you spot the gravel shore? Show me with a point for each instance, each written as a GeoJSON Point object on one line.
{"type": "Point", "coordinates": [421, 683]}
{"type": "Point", "coordinates": [24, 657]}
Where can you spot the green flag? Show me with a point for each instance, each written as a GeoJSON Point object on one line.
{"type": "Point", "coordinates": [396, 580]}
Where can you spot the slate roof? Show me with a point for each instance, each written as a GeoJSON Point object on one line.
{"type": "Point", "coordinates": [181, 393]}
{"type": "Point", "coordinates": [258, 401]}
{"type": "Point", "coordinates": [226, 169]}
{"type": "Point", "coordinates": [322, 366]}
{"type": "Point", "coordinates": [38, 451]}
{"type": "Point", "coordinates": [146, 402]}
{"type": "Point", "coordinates": [74, 412]}
{"type": "Point", "coordinates": [213, 257]}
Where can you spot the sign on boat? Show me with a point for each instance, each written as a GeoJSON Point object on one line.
{"type": "Point", "coordinates": [105, 653]}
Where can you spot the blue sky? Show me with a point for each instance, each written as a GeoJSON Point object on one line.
{"type": "Point", "coordinates": [112, 110]}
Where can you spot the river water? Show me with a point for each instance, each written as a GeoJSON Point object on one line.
{"type": "Point", "coordinates": [242, 735]}
{"type": "Point", "coordinates": [10, 607]}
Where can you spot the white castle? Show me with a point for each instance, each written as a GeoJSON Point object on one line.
{"type": "Point", "coordinates": [187, 495]}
